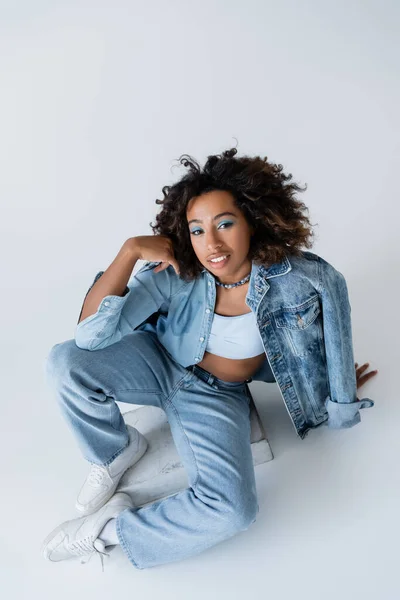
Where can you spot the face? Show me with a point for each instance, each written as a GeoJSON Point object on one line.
{"type": "Point", "coordinates": [214, 233]}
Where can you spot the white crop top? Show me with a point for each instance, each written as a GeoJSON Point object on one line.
{"type": "Point", "coordinates": [235, 337]}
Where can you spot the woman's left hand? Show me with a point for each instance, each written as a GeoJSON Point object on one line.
{"type": "Point", "coordinates": [361, 379]}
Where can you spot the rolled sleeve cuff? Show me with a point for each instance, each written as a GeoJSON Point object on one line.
{"type": "Point", "coordinates": [345, 414]}
{"type": "Point", "coordinates": [101, 326]}
{"type": "Point", "coordinates": [113, 303]}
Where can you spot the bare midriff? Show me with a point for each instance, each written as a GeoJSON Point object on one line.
{"type": "Point", "coordinates": [231, 303]}
{"type": "Point", "coordinates": [230, 369]}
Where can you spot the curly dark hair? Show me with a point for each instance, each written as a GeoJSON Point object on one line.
{"type": "Point", "coordinates": [259, 190]}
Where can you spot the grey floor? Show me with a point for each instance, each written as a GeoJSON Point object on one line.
{"type": "Point", "coordinates": [328, 515]}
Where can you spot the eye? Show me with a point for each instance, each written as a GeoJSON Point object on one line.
{"type": "Point", "coordinates": [199, 230]}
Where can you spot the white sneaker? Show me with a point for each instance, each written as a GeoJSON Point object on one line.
{"type": "Point", "coordinates": [79, 537]}
{"type": "Point", "coordinates": [102, 480]}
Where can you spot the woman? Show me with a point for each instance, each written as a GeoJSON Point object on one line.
{"type": "Point", "coordinates": [232, 298]}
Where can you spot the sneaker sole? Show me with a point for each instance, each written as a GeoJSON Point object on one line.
{"type": "Point", "coordinates": [83, 511]}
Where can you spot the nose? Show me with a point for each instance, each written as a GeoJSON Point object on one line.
{"type": "Point", "coordinates": [213, 241]}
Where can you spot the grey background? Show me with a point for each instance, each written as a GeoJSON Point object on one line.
{"type": "Point", "coordinates": [98, 100]}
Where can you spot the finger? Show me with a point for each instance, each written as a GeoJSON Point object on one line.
{"type": "Point", "coordinates": [165, 265]}
{"type": "Point", "coordinates": [362, 380]}
{"type": "Point", "coordinates": [161, 267]}
{"type": "Point", "coordinates": [174, 263]}
{"type": "Point", "coordinates": [369, 375]}
{"type": "Point", "coordinates": [365, 378]}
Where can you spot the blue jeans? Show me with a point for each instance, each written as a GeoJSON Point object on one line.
{"type": "Point", "coordinates": [210, 425]}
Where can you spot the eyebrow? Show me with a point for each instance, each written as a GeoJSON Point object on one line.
{"type": "Point", "coordinates": [216, 217]}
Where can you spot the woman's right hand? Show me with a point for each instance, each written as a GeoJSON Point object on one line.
{"type": "Point", "coordinates": [155, 248]}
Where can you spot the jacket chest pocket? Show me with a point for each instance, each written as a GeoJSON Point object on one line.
{"type": "Point", "coordinates": [302, 326]}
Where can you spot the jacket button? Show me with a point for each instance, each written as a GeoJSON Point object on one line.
{"type": "Point", "coordinates": [106, 303]}
{"type": "Point", "coordinates": [207, 310]}
{"type": "Point", "coordinates": [202, 339]}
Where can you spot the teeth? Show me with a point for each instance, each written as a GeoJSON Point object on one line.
{"type": "Point", "coordinates": [219, 259]}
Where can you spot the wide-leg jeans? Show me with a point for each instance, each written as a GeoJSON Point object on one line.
{"type": "Point", "coordinates": [210, 425]}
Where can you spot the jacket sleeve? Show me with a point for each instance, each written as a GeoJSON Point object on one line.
{"type": "Point", "coordinates": [117, 316]}
{"type": "Point", "coordinates": [342, 405]}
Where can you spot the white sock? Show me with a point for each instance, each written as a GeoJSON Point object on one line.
{"type": "Point", "coordinates": [109, 533]}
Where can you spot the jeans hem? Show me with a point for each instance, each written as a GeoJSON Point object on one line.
{"type": "Point", "coordinates": [110, 460]}
{"type": "Point", "coordinates": [123, 543]}
{"type": "Point", "coordinates": [117, 453]}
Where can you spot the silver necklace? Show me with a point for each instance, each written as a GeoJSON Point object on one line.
{"type": "Point", "coordinates": [232, 285]}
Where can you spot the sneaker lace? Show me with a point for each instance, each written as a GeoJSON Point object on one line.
{"type": "Point", "coordinates": [96, 475]}
{"type": "Point", "coordinates": [86, 548]}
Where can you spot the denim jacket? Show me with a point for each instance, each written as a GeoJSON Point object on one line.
{"type": "Point", "coordinates": [302, 311]}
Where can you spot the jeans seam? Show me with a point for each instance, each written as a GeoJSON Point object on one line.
{"type": "Point", "coordinates": [123, 543]}
{"type": "Point", "coordinates": [194, 484]}
{"type": "Point", "coordinates": [118, 452]}
{"type": "Point", "coordinates": [110, 417]}
{"type": "Point", "coordinates": [112, 392]}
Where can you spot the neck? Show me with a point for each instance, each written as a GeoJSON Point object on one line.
{"type": "Point", "coordinates": [240, 274]}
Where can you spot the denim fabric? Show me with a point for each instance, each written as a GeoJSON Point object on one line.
{"type": "Point", "coordinates": [210, 424]}
{"type": "Point", "coordinates": [303, 314]}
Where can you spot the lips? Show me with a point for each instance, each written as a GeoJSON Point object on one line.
{"type": "Point", "coordinates": [217, 256]}
{"type": "Point", "coordinates": [221, 263]}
